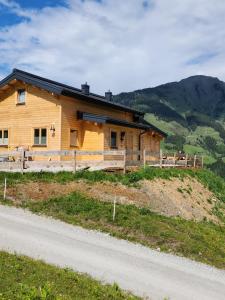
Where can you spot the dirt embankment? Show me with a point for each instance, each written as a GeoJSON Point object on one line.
{"type": "Point", "coordinates": [186, 198]}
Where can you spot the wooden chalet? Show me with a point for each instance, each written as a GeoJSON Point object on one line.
{"type": "Point", "coordinates": [40, 114]}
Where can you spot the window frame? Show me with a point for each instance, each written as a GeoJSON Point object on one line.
{"type": "Point", "coordinates": [77, 142]}
{"type": "Point", "coordinates": [3, 138]}
{"type": "Point", "coordinates": [116, 139]}
{"type": "Point", "coordinates": [40, 144]}
{"type": "Point", "coordinates": [19, 92]}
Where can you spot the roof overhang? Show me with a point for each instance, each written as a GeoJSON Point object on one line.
{"type": "Point", "coordinates": [101, 119]}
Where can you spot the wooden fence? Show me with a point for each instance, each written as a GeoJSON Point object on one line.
{"type": "Point", "coordinates": [73, 160]}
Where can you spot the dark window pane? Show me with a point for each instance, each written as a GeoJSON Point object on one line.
{"type": "Point", "coordinates": [113, 139]}
{"type": "Point", "coordinates": [6, 139]}
{"type": "Point", "coordinates": [43, 136]}
{"type": "Point", "coordinates": [36, 136]}
{"type": "Point", "coordinates": [5, 134]}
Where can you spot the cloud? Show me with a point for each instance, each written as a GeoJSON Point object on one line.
{"type": "Point", "coordinates": [121, 45]}
{"type": "Point", "coordinates": [14, 7]}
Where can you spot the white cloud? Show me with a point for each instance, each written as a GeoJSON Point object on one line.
{"type": "Point", "coordinates": [121, 45]}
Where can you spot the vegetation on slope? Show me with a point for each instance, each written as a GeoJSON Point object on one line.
{"type": "Point", "coordinates": [24, 278]}
{"type": "Point", "coordinates": [215, 184]}
{"type": "Point", "coordinates": [202, 241]}
{"type": "Point", "coordinates": [191, 111]}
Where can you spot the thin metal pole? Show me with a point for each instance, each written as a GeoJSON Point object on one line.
{"type": "Point", "coordinates": [114, 209]}
{"type": "Point", "coordinates": [5, 188]}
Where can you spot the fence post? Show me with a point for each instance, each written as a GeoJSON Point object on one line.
{"type": "Point", "coordinates": [186, 160]}
{"type": "Point", "coordinates": [74, 161]}
{"type": "Point", "coordinates": [195, 161]}
{"type": "Point", "coordinates": [144, 158]}
{"type": "Point", "coordinates": [161, 158]}
{"type": "Point", "coordinates": [174, 159]}
{"type": "Point", "coordinates": [22, 160]}
{"type": "Point", "coordinates": [124, 161]}
{"type": "Point", "coordinates": [202, 161]}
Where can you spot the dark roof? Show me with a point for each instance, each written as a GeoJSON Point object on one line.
{"type": "Point", "coordinates": [66, 90]}
{"type": "Point", "coordinates": [142, 124]}
{"type": "Point", "coordinates": [63, 89]}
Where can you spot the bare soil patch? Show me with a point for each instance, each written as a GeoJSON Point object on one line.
{"type": "Point", "coordinates": [186, 198]}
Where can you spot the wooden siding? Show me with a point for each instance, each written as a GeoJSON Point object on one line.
{"type": "Point", "coordinates": [41, 110]}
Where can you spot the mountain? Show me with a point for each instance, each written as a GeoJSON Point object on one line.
{"type": "Point", "coordinates": [191, 111]}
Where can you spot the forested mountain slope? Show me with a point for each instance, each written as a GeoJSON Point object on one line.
{"type": "Point", "coordinates": [191, 111]}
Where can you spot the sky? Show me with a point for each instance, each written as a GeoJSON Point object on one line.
{"type": "Point", "coordinates": [121, 45]}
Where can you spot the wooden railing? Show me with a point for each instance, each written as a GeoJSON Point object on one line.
{"type": "Point", "coordinates": [73, 160]}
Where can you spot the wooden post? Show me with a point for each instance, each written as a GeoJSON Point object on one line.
{"type": "Point", "coordinates": [174, 159]}
{"type": "Point", "coordinates": [195, 161]}
{"type": "Point", "coordinates": [202, 161]}
{"type": "Point", "coordinates": [74, 161]}
{"type": "Point", "coordinates": [5, 189]}
{"type": "Point", "coordinates": [124, 161]}
{"type": "Point", "coordinates": [161, 158]}
{"type": "Point", "coordinates": [144, 158]}
{"type": "Point", "coordinates": [186, 161]}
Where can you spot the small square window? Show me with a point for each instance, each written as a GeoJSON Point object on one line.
{"type": "Point", "coordinates": [21, 96]}
{"type": "Point", "coordinates": [73, 137]}
{"type": "Point", "coordinates": [113, 142]}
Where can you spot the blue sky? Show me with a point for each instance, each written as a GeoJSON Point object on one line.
{"type": "Point", "coordinates": [7, 17]}
{"type": "Point", "coordinates": [113, 44]}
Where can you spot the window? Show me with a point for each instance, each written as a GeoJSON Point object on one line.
{"type": "Point", "coordinates": [113, 143]}
{"type": "Point", "coordinates": [4, 137]}
{"type": "Point", "coordinates": [21, 96]}
{"type": "Point", "coordinates": [73, 137]}
{"type": "Point", "coordinates": [40, 136]}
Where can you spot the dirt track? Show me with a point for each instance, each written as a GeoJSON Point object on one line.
{"type": "Point", "coordinates": [143, 271]}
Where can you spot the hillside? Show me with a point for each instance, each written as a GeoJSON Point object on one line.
{"type": "Point", "coordinates": [171, 210]}
{"type": "Point", "coordinates": [191, 111]}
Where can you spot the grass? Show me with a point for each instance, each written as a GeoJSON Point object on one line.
{"type": "Point", "coordinates": [200, 241]}
{"type": "Point", "coordinates": [203, 241]}
{"type": "Point", "coordinates": [202, 131]}
{"type": "Point", "coordinates": [214, 183]}
{"type": "Point", "coordinates": [22, 278]}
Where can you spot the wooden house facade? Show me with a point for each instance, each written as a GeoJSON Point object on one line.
{"type": "Point", "coordinates": [40, 114]}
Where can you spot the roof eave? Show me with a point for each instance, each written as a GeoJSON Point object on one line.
{"type": "Point", "coordinates": [99, 101]}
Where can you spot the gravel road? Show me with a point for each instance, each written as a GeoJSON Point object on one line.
{"type": "Point", "coordinates": [136, 268]}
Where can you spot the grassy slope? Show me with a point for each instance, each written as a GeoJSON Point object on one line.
{"type": "Point", "coordinates": [200, 241]}
{"type": "Point", "coordinates": [214, 183]}
{"type": "Point", "coordinates": [24, 278]}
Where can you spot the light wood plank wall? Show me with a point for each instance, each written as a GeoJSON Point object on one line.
{"type": "Point", "coordinates": [43, 109]}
